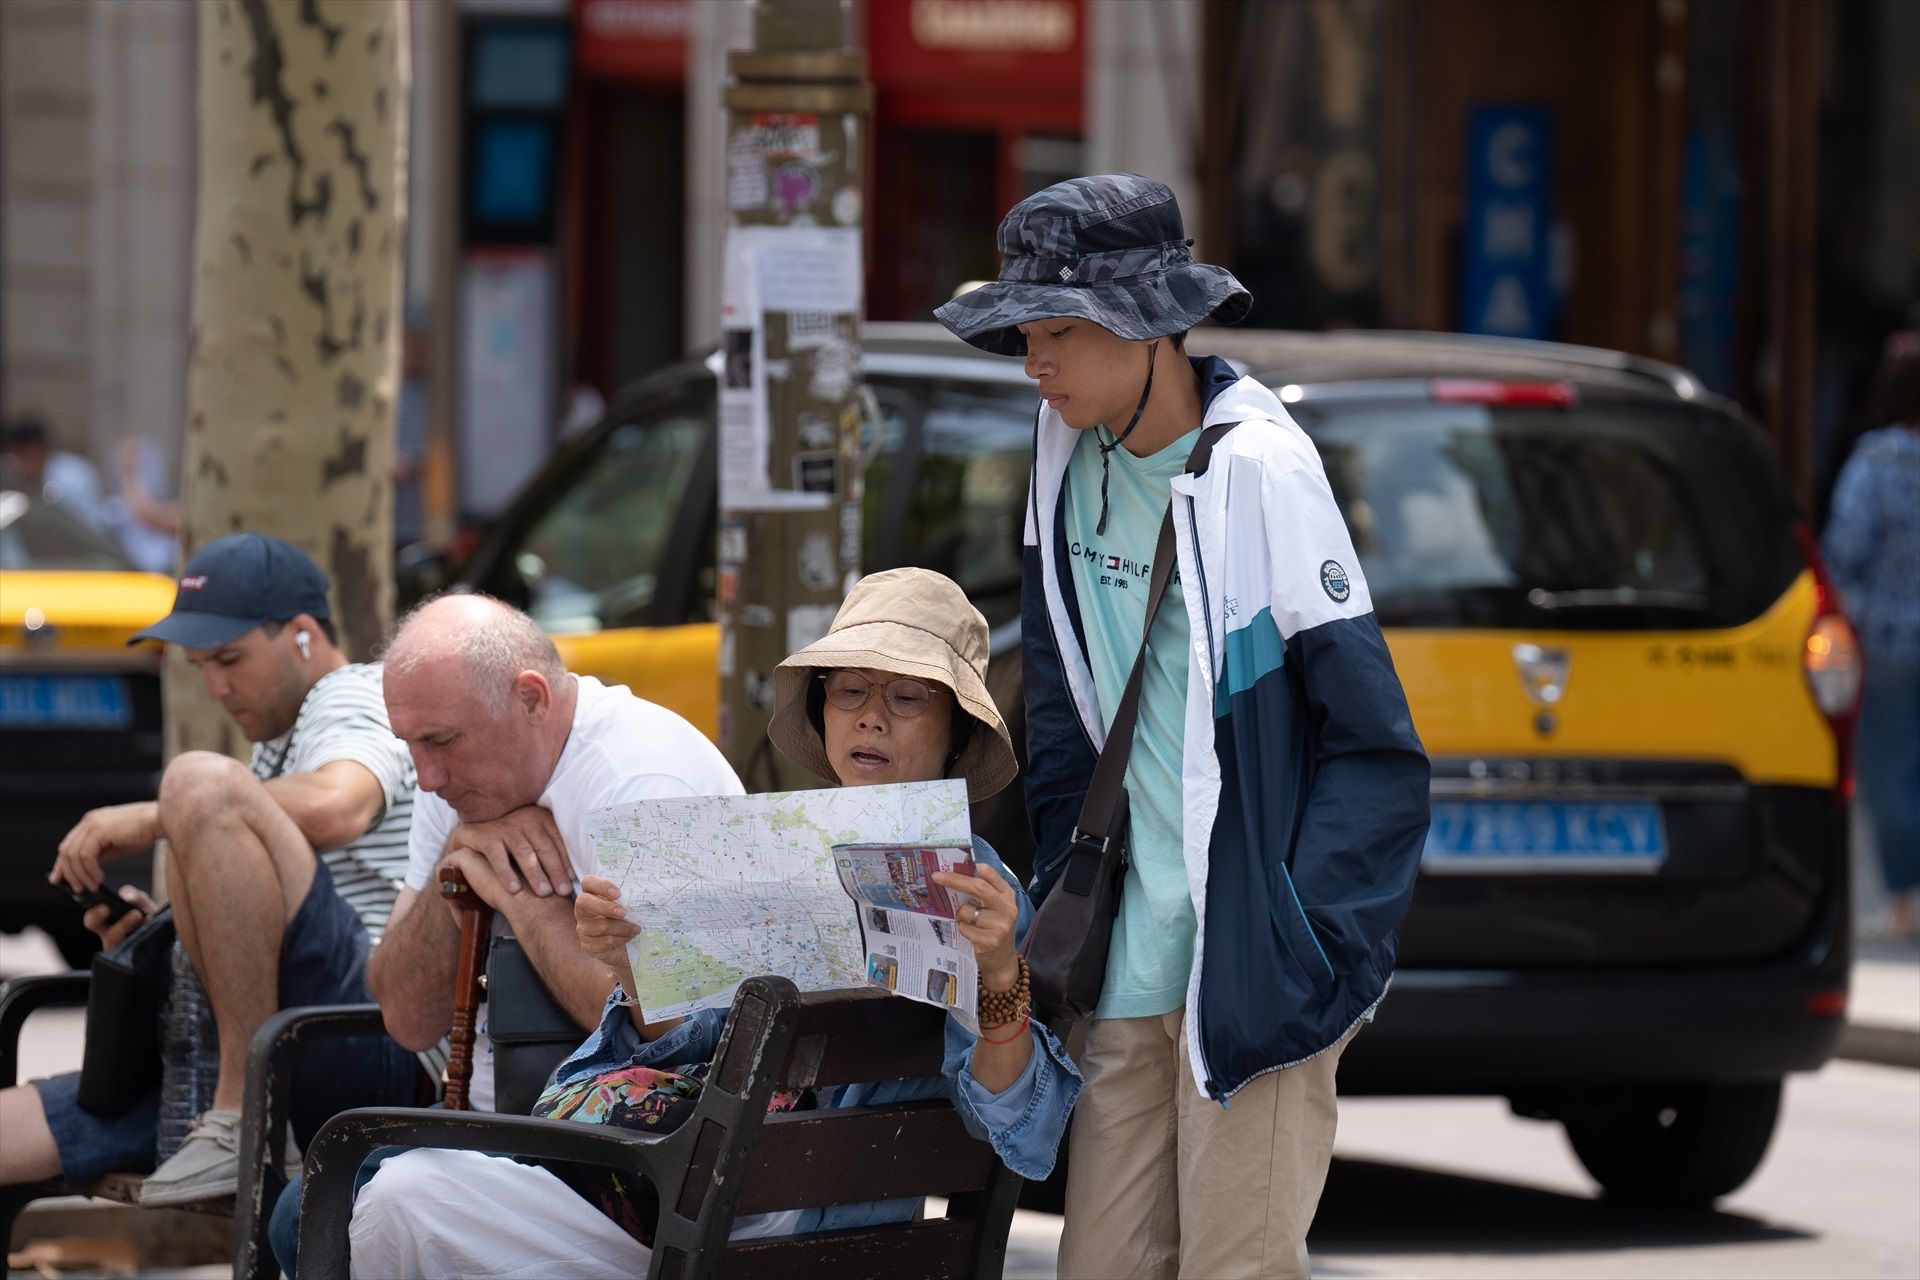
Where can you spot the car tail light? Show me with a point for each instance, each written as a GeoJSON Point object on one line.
{"type": "Point", "coordinates": [1835, 668]}
{"type": "Point", "coordinates": [1491, 391]}
{"type": "Point", "coordinates": [1828, 1004]}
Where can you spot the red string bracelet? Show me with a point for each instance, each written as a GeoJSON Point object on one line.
{"type": "Point", "coordinates": [1019, 1029]}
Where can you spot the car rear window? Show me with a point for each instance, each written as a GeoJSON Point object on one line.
{"type": "Point", "coordinates": [1606, 516]}
{"type": "Point", "coordinates": [592, 557]}
{"type": "Point", "coordinates": [39, 535]}
{"type": "Point", "coordinates": [947, 488]}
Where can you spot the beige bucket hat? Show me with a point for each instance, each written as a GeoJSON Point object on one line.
{"type": "Point", "coordinates": [913, 622]}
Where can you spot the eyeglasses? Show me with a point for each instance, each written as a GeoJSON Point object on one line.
{"type": "Point", "coordinates": [904, 696]}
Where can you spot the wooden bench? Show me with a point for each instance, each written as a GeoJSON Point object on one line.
{"type": "Point", "coordinates": [263, 1126]}
{"type": "Point", "coordinates": [732, 1158]}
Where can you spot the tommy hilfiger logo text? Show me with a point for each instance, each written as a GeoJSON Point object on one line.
{"type": "Point", "coordinates": [1115, 571]}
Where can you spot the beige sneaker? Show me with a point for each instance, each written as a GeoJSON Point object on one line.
{"type": "Point", "coordinates": [206, 1167]}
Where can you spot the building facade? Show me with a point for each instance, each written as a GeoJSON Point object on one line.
{"type": "Point", "coordinates": [1723, 183]}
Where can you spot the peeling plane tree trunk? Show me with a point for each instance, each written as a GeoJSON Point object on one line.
{"type": "Point", "coordinates": [293, 359]}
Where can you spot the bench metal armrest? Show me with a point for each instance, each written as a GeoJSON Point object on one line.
{"type": "Point", "coordinates": [263, 1123]}
{"type": "Point", "coordinates": [345, 1142]}
{"type": "Point", "coordinates": [22, 996]}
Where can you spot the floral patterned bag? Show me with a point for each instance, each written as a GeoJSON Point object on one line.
{"type": "Point", "coordinates": [643, 1098]}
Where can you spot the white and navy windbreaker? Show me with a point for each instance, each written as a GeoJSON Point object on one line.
{"type": "Point", "coordinates": [1305, 786]}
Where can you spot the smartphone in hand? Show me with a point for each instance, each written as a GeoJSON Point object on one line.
{"type": "Point", "coordinates": [87, 899]}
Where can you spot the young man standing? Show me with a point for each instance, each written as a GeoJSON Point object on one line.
{"type": "Point", "coordinates": [279, 873]}
{"type": "Point", "coordinates": [1278, 791]}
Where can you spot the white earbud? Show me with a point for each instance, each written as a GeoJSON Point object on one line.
{"type": "Point", "coordinates": [303, 640]}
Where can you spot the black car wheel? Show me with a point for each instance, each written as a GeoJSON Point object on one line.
{"type": "Point", "coordinates": [1685, 1144]}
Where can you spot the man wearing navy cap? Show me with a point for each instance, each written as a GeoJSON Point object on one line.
{"type": "Point", "coordinates": [279, 873]}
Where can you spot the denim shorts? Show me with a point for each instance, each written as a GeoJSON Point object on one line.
{"type": "Point", "coordinates": [323, 960]}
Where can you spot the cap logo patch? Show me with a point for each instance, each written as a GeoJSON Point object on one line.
{"type": "Point", "coordinates": [1333, 580]}
{"type": "Point", "coordinates": [1066, 273]}
{"type": "Point", "coordinates": [193, 582]}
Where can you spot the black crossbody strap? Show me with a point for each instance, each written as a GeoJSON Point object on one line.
{"type": "Point", "coordinates": [1100, 812]}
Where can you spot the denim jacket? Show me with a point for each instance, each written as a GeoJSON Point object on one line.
{"type": "Point", "coordinates": [1024, 1122]}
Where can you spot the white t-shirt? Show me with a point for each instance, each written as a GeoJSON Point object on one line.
{"type": "Point", "coordinates": [621, 748]}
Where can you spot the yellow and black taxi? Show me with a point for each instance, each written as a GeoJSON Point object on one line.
{"type": "Point", "coordinates": [79, 711]}
{"type": "Point", "coordinates": [1617, 642]}
{"type": "Point", "coordinates": [1637, 690]}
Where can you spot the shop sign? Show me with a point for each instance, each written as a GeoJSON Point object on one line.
{"type": "Point", "coordinates": [1508, 283]}
{"type": "Point", "coordinates": [978, 46]}
{"type": "Point", "coordinates": [644, 40]}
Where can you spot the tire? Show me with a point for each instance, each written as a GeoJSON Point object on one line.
{"type": "Point", "coordinates": [1683, 1144]}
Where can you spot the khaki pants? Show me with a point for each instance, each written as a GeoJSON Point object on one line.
{"type": "Point", "coordinates": [1162, 1181]}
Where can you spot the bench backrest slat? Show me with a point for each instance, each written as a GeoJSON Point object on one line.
{"type": "Point", "coordinates": [846, 1037]}
{"type": "Point", "coordinates": [807, 1159]}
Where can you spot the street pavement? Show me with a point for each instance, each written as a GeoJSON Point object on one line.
{"type": "Point", "coordinates": [1462, 1188]}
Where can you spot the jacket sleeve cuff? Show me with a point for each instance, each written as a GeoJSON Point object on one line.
{"type": "Point", "coordinates": [1025, 1122]}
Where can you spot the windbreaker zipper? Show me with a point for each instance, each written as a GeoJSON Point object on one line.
{"type": "Point", "coordinates": [1206, 605]}
{"type": "Point", "coordinates": [1206, 617]}
{"type": "Point", "coordinates": [1045, 537]}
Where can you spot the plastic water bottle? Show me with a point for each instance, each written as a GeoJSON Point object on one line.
{"type": "Point", "coordinates": [189, 1056]}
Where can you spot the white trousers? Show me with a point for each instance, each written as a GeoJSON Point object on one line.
{"type": "Point", "coordinates": [434, 1214]}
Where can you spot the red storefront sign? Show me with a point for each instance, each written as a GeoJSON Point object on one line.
{"type": "Point", "coordinates": [635, 40]}
{"type": "Point", "coordinates": [1012, 56]}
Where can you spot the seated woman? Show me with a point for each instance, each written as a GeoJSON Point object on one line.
{"type": "Point", "coordinates": [894, 692]}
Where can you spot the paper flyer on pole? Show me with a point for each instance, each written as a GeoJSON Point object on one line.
{"type": "Point", "coordinates": [810, 275]}
{"type": "Point", "coordinates": [745, 421]}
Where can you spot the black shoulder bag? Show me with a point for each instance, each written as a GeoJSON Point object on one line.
{"type": "Point", "coordinates": [531, 1033]}
{"type": "Point", "coordinates": [1067, 943]}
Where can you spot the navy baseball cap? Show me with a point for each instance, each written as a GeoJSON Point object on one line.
{"type": "Point", "coordinates": [236, 583]}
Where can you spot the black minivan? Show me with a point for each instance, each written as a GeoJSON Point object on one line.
{"type": "Point", "coordinates": [1619, 646]}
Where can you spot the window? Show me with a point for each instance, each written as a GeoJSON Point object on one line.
{"type": "Point", "coordinates": [1604, 517]}
{"type": "Point", "coordinates": [951, 478]}
{"type": "Point", "coordinates": [591, 558]}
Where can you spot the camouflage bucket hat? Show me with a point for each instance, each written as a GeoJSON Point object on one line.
{"type": "Point", "coordinates": [1110, 249]}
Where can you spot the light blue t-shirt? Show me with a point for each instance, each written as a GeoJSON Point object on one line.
{"type": "Point", "coordinates": [1152, 951]}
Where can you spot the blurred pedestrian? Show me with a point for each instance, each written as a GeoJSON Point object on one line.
{"type": "Point", "coordinates": [146, 524]}
{"type": "Point", "coordinates": [58, 478]}
{"type": "Point", "coordinates": [410, 439]}
{"type": "Point", "coordinates": [1285, 811]}
{"type": "Point", "coordinates": [1872, 547]}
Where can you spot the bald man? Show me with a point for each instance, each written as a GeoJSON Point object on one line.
{"type": "Point", "coordinates": [511, 752]}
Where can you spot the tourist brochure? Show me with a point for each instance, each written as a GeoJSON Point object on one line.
{"type": "Point", "coordinates": [907, 921]}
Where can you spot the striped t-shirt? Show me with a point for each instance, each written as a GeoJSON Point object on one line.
{"type": "Point", "coordinates": [344, 717]}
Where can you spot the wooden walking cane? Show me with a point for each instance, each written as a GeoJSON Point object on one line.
{"type": "Point", "coordinates": [476, 921]}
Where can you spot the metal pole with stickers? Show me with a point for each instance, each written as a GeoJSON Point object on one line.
{"type": "Point", "coordinates": [792, 298]}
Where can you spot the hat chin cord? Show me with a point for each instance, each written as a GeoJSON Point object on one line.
{"type": "Point", "coordinates": [1106, 449]}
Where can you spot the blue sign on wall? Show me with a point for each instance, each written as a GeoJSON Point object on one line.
{"type": "Point", "coordinates": [1508, 287]}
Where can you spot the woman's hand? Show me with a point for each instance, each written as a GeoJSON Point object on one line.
{"type": "Point", "coordinates": [987, 920]}
{"type": "Point", "coordinates": [602, 924]}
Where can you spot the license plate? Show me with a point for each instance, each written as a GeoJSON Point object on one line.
{"type": "Point", "coordinates": [1550, 836]}
{"type": "Point", "coordinates": [64, 702]}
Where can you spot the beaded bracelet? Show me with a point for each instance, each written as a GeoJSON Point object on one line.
{"type": "Point", "coordinates": [999, 1007]}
